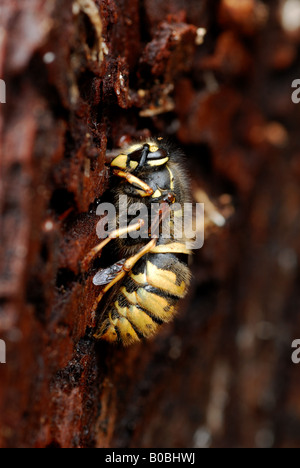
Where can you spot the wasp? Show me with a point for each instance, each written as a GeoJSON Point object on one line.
{"type": "Point", "coordinates": [153, 273]}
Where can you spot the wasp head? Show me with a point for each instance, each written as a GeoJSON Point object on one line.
{"type": "Point", "coordinates": [141, 157]}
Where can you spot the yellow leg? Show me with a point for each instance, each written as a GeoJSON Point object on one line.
{"type": "Point", "coordinates": [127, 267]}
{"type": "Point", "coordinates": [113, 235]}
{"type": "Point", "coordinates": [131, 179]}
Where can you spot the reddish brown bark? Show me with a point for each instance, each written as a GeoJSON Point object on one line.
{"type": "Point", "coordinates": [82, 77]}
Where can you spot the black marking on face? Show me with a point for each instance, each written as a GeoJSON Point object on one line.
{"type": "Point", "coordinates": [145, 157]}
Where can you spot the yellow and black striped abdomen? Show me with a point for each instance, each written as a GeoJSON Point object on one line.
{"type": "Point", "coordinates": [147, 298]}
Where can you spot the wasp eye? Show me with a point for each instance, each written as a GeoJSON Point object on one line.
{"type": "Point", "coordinates": [137, 155]}
{"type": "Point", "coordinates": [158, 154]}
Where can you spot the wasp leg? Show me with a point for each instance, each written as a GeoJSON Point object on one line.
{"type": "Point", "coordinates": [163, 212]}
{"type": "Point", "coordinates": [131, 179]}
{"type": "Point", "coordinates": [127, 267]}
{"type": "Point", "coordinates": [113, 235]}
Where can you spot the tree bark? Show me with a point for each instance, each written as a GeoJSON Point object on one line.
{"type": "Point", "coordinates": [82, 78]}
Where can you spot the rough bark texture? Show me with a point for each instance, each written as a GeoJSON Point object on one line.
{"type": "Point", "coordinates": [82, 77]}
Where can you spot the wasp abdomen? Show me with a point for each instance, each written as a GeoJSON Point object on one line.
{"type": "Point", "coordinates": [147, 298]}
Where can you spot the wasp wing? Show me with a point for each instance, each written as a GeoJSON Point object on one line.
{"type": "Point", "coordinates": [108, 274]}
